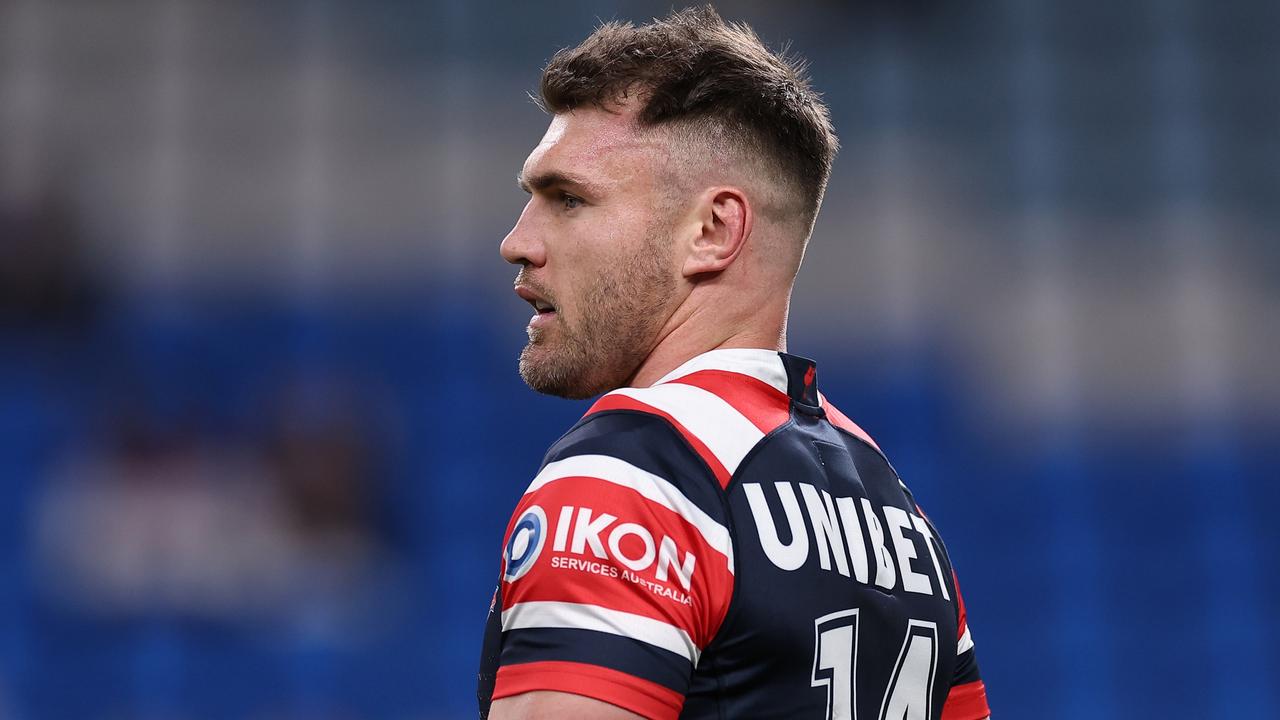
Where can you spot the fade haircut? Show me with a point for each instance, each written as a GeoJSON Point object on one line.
{"type": "Point", "coordinates": [712, 82]}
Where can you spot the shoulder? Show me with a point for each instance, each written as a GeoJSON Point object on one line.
{"type": "Point", "coordinates": [628, 443]}
{"type": "Point", "coordinates": [617, 566]}
{"type": "Point", "coordinates": [720, 416]}
{"type": "Point", "coordinates": [624, 458]}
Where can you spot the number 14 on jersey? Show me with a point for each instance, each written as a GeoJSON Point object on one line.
{"type": "Point", "coordinates": [835, 663]}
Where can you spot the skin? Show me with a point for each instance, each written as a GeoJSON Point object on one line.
{"type": "Point", "coordinates": [652, 253]}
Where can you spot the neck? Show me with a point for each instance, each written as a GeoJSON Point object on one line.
{"type": "Point", "coordinates": [703, 330]}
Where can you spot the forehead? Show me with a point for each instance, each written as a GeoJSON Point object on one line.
{"type": "Point", "coordinates": [603, 146]}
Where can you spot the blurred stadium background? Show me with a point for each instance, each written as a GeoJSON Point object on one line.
{"type": "Point", "coordinates": [260, 426]}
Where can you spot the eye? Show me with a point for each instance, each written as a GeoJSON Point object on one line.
{"type": "Point", "coordinates": [570, 202]}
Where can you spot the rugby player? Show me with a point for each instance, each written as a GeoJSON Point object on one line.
{"type": "Point", "coordinates": [713, 539]}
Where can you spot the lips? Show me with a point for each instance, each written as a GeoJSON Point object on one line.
{"type": "Point", "coordinates": [544, 311]}
{"type": "Point", "coordinates": [540, 303]}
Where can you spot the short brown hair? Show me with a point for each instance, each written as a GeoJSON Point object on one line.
{"type": "Point", "coordinates": [694, 69]}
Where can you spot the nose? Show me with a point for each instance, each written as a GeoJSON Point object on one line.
{"type": "Point", "coordinates": [523, 244]}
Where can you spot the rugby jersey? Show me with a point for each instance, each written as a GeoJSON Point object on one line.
{"type": "Point", "coordinates": [727, 544]}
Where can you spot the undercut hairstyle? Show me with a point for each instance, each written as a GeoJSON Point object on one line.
{"type": "Point", "coordinates": [712, 82]}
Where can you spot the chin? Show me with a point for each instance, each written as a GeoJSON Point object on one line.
{"type": "Point", "coordinates": [551, 373]}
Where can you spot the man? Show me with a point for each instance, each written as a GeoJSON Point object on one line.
{"type": "Point", "coordinates": [713, 539]}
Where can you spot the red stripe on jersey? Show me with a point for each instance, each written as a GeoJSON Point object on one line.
{"type": "Point", "coordinates": [761, 403]}
{"type": "Point", "coordinates": [553, 578]}
{"type": "Point", "coordinates": [965, 702]}
{"type": "Point", "coordinates": [585, 588]}
{"type": "Point", "coordinates": [624, 402]}
{"type": "Point", "coordinates": [629, 692]}
{"type": "Point", "coordinates": [843, 422]}
{"type": "Point", "coordinates": [963, 624]}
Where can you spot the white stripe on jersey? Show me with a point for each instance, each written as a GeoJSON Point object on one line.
{"type": "Point", "coordinates": [966, 642]}
{"type": "Point", "coordinates": [650, 486]}
{"type": "Point", "coordinates": [763, 365]}
{"type": "Point", "coordinates": [580, 616]}
{"type": "Point", "coordinates": [727, 433]}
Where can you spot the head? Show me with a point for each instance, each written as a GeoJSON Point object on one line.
{"type": "Point", "coordinates": [670, 199]}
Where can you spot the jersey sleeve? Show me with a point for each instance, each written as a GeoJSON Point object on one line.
{"type": "Point", "coordinates": [617, 569]}
{"type": "Point", "coordinates": [967, 699]}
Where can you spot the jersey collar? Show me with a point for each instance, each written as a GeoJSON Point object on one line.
{"type": "Point", "coordinates": [791, 375]}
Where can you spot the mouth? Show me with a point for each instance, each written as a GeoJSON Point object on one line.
{"type": "Point", "coordinates": [543, 308]}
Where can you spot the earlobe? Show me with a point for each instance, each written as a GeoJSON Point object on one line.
{"type": "Point", "coordinates": [725, 224]}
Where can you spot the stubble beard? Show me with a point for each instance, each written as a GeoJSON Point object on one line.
{"type": "Point", "coordinates": [619, 317]}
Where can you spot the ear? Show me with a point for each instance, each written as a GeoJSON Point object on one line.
{"type": "Point", "coordinates": [724, 219]}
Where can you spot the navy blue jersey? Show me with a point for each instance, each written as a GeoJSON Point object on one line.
{"type": "Point", "coordinates": [727, 544]}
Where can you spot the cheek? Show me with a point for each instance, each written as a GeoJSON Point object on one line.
{"type": "Point", "coordinates": [583, 259]}
{"type": "Point", "coordinates": [596, 249]}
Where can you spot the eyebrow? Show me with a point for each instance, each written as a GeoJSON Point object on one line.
{"type": "Point", "coordinates": [542, 181]}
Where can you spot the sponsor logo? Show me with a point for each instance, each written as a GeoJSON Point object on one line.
{"type": "Point", "coordinates": [596, 543]}
{"type": "Point", "coordinates": [525, 544]}
{"type": "Point", "coordinates": [896, 546]}
{"type": "Point", "coordinates": [582, 531]}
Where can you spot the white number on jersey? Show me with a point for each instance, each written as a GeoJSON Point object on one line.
{"type": "Point", "coordinates": [835, 662]}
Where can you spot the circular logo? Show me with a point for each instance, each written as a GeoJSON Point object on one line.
{"type": "Point", "coordinates": [525, 543]}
